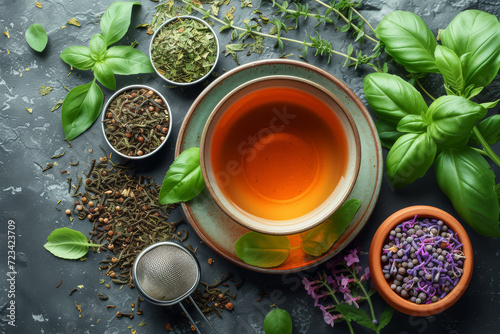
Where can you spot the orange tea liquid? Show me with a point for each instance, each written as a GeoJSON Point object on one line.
{"type": "Point", "coordinates": [278, 153]}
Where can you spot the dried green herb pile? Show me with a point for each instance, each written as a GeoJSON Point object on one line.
{"type": "Point", "coordinates": [184, 50]}
{"type": "Point", "coordinates": [125, 213]}
{"type": "Point", "coordinates": [137, 122]}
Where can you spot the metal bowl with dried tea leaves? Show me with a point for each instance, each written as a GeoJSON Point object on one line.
{"type": "Point", "coordinates": [184, 50]}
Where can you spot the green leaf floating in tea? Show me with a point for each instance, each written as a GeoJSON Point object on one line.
{"type": "Point", "coordinates": [321, 238]}
{"type": "Point", "coordinates": [262, 250]}
{"type": "Point", "coordinates": [68, 244]}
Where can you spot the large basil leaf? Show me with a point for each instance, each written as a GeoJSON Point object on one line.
{"type": "Point", "coordinates": [127, 60]}
{"type": "Point", "coordinates": [391, 98]}
{"type": "Point", "coordinates": [97, 47]}
{"type": "Point", "coordinates": [478, 33]}
{"type": "Point", "coordinates": [321, 238]}
{"type": "Point", "coordinates": [68, 244]}
{"type": "Point", "coordinates": [80, 109]}
{"type": "Point", "coordinates": [278, 321]}
{"type": "Point", "coordinates": [116, 20]}
{"type": "Point", "coordinates": [353, 313]}
{"type": "Point", "coordinates": [452, 119]}
{"type": "Point", "coordinates": [450, 67]}
{"type": "Point", "coordinates": [465, 177]}
{"type": "Point", "coordinates": [408, 40]}
{"type": "Point", "coordinates": [412, 123]}
{"type": "Point", "coordinates": [410, 158]}
{"type": "Point", "coordinates": [105, 75]}
{"type": "Point", "coordinates": [387, 133]}
{"type": "Point", "coordinates": [36, 36]}
{"type": "Point", "coordinates": [184, 179]}
{"type": "Point", "coordinates": [262, 250]}
{"type": "Point", "coordinates": [490, 130]}
{"type": "Point", "coordinates": [78, 56]}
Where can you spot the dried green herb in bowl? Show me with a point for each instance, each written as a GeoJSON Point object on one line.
{"type": "Point", "coordinates": [136, 121]}
{"type": "Point", "coordinates": [184, 50]}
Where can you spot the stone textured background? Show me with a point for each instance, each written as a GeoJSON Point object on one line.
{"type": "Point", "coordinates": [30, 197]}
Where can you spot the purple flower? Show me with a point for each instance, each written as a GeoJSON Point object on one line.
{"type": "Point", "coordinates": [350, 300]}
{"type": "Point", "coordinates": [352, 257]}
{"type": "Point", "coordinates": [366, 275]}
{"type": "Point", "coordinates": [329, 319]}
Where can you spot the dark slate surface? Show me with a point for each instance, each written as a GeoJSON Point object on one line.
{"type": "Point", "coordinates": [29, 197]}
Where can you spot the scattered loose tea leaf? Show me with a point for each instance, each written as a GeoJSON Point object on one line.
{"type": "Point", "coordinates": [45, 90]}
{"type": "Point", "coordinates": [6, 33]}
{"type": "Point", "coordinates": [230, 14]}
{"type": "Point", "coordinates": [29, 110]}
{"type": "Point", "coordinates": [57, 106]}
{"type": "Point", "coordinates": [143, 323]}
{"type": "Point", "coordinates": [38, 4]}
{"type": "Point", "coordinates": [142, 25]}
{"type": "Point", "coordinates": [74, 22]}
{"type": "Point", "coordinates": [36, 36]}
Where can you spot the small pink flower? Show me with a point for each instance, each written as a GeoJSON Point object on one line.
{"type": "Point", "coordinates": [350, 300]}
{"type": "Point", "coordinates": [366, 275]}
{"type": "Point", "coordinates": [352, 257]}
{"type": "Point", "coordinates": [329, 319]}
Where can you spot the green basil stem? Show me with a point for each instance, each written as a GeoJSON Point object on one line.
{"type": "Point", "coordinates": [325, 284]}
{"type": "Point", "coordinates": [272, 36]}
{"type": "Point", "coordinates": [479, 151]}
{"type": "Point", "coordinates": [425, 91]}
{"type": "Point", "coordinates": [336, 11]}
{"type": "Point", "coordinates": [486, 146]}
{"type": "Point", "coordinates": [368, 299]}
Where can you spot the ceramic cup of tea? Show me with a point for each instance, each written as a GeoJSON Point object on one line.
{"type": "Point", "coordinates": [280, 154]}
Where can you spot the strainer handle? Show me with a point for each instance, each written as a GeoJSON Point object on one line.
{"type": "Point", "coordinates": [200, 312]}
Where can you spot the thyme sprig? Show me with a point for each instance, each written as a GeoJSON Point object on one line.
{"type": "Point", "coordinates": [322, 46]}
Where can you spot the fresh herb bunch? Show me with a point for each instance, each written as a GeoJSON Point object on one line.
{"type": "Point", "coordinates": [184, 50]}
{"type": "Point", "coordinates": [338, 292]}
{"type": "Point", "coordinates": [83, 104]}
{"type": "Point", "coordinates": [447, 132]}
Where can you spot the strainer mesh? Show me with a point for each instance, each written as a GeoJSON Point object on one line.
{"type": "Point", "coordinates": [166, 272]}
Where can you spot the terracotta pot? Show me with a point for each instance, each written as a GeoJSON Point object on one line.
{"type": "Point", "coordinates": [382, 285]}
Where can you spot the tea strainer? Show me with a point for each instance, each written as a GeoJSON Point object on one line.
{"type": "Point", "coordinates": [166, 273]}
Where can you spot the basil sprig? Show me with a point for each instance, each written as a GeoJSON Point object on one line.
{"type": "Point", "coordinates": [83, 104]}
{"type": "Point", "coordinates": [447, 132]}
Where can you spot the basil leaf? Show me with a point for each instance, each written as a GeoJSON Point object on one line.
{"type": "Point", "coordinates": [408, 40]}
{"type": "Point", "coordinates": [353, 313]}
{"type": "Point", "coordinates": [116, 20]}
{"type": "Point", "coordinates": [321, 238]}
{"type": "Point", "coordinates": [262, 250]}
{"type": "Point", "coordinates": [386, 317]}
{"type": "Point", "coordinates": [489, 105]}
{"type": "Point", "coordinates": [466, 178]}
{"type": "Point", "coordinates": [68, 244]}
{"type": "Point", "coordinates": [387, 133]}
{"type": "Point", "coordinates": [391, 98]}
{"type": "Point", "coordinates": [278, 321]}
{"type": "Point", "coordinates": [412, 123]}
{"type": "Point", "coordinates": [97, 47]}
{"type": "Point", "coordinates": [127, 60]}
{"type": "Point", "coordinates": [452, 119]}
{"type": "Point", "coordinates": [497, 190]}
{"type": "Point", "coordinates": [450, 67]}
{"type": "Point", "coordinates": [184, 179]}
{"type": "Point", "coordinates": [80, 109]}
{"type": "Point", "coordinates": [478, 33]}
{"type": "Point", "coordinates": [78, 56]}
{"type": "Point", "coordinates": [36, 36]}
{"type": "Point", "coordinates": [490, 130]}
{"type": "Point", "coordinates": [104, 74]}
{"type": "Point", "coordinates": [410, 158]}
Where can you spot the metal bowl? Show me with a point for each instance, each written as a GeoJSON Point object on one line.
{"type": "Point", "coordinates": [216, 57]}
{"type": "Point", "coordinates": [115, 95]}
